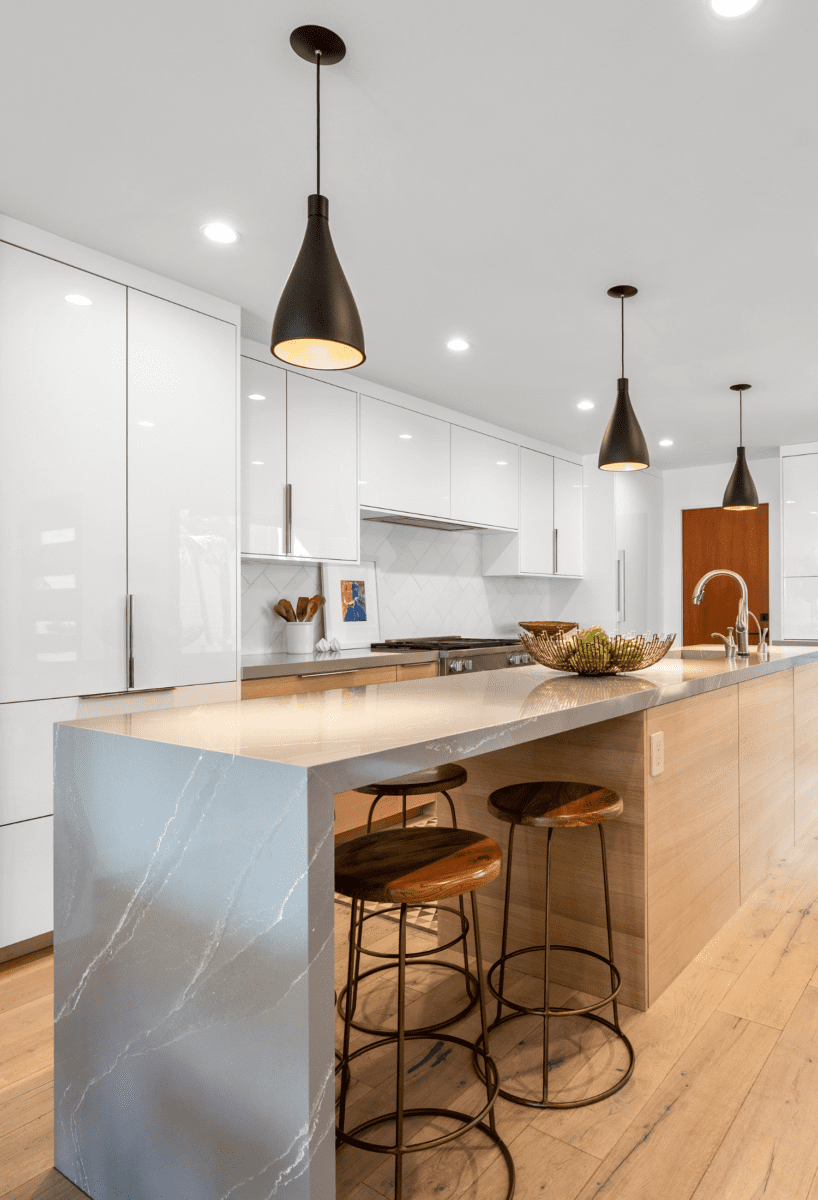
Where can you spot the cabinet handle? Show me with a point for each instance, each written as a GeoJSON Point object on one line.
{"type": "Point", "coordinates": [288, 517]}
{"type": "Point", "coordinates": [129, 639]}
{"type": "Point", "coordinates": [620, 586]}
{"type": "Point", "coordinates": [556, 550]}
{"type": "Point", "coordinates": [323, 674]}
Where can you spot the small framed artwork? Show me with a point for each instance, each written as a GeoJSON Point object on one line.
{"type": "Point", "coordinates": [351, 609]}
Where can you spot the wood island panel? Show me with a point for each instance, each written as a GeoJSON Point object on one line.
{"type": "Point", "coordinates": [428, 670]}
{"type": "Point", "coordinates": [805, 751]}
{"type": "Point", "coordinates": [766, 791]}
{"type": "Point", "coordinates": [693, 831]}
{"type": "Point", "coordinates": [292, 685]}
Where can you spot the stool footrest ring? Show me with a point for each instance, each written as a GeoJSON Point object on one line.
{"type": "Point", "coordinates": [471, 992]}
{"type": "Point", "coordinates": [414, 954]}
{"type": "Point", "coordinates": [523, 1010]}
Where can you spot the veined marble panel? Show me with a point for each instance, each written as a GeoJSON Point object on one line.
{"type": "Point", "coordinates": [193, 966]}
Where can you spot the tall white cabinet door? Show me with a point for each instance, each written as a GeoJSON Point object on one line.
{"type": "Point", "coordinates": [801, 608]}
{"type": "Point", "coordinates": [181, 493]}
{"type": "Point", "coordinates": [322, 469]}
{"type": "Point", "coordinates": [62, 472]}
{"type": "Point", "coordinates": [536, 512]}
{"type": "Point", "coordinates": [567, 517]}
{"type": "Point", "coordinates": [263, 457]}
{"type": "Point", "coordinates": [800, 494]}
{"type": "Point", "coordinates": [26, 880]}
{"type": "Point", "coordinates": [639, 551]}
{"type": "Point", "coordinates": [404, 460]}
{"type": "Point", "coordinates": [484, 479]}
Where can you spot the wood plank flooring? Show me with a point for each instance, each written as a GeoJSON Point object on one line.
{"type": "Point", "coordinates": [723, 1104]}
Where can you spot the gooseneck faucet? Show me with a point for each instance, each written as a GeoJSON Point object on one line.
{"type": "Point", "coordinates": [743, 646]}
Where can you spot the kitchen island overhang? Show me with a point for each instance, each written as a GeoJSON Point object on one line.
{"type": "Point", "coordinates": [194, 908]}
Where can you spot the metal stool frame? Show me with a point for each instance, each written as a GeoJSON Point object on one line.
{"type": "Point", "coordinates": [547, 1012]}
{"type": "Point", "coordinates": [471, 983]}
{"type": "Point", "coordinates": [489, 1074]}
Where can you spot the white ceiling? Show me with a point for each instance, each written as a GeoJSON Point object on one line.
{"type": "Point", "coordinates": [492, 170]}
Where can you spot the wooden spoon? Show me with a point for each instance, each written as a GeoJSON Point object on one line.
{"type": "Point", "coordinates": [313, 606]}
{"type": "Point", "coordinates": [284, 610]}
{"type": "Point", "coordinates": [301, 608]}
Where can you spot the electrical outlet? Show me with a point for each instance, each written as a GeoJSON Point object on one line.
{"type": "Point", "coordinates": [657, 753]}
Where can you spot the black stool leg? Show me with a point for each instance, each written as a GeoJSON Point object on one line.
{"type": "Point", "coordinates": [509, 855]}
{"type": "Point", "coordinates": [372, 807]}
{"type": "Point", "coordinates": [351, 982]}
{"type": "Point", "coordinates": [546, 989]}
{"type": "Point", "coordinates": [469, 987]}
{"type": "Point", "coordinates": [401, 1054]}
{"type": "Point", "coordinates": [608, 923]}
{"type": "Point", "coordinates": [481, 985]}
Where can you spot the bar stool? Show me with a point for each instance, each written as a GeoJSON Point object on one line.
{"type": "Point", "coordinates": [553, 806]}
{"type": "Point", "coordinates": [406, 867]}
{"type": "Point", "coordinates": [430, 782]}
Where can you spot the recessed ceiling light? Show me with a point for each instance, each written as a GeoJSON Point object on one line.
{"type": "Point", "coordinates": [217, 232]}
{"type": "Point", "coordinates": [458, 344]}
{"type": "Point", "coordinates": [666, 442]}
{"type": "Point", "coordinates": [257, 463]}
{"type": "Point", "coordinates": [585, 405]}
{"type": "Point", "coordinates": [256, 396]}
{"type": "Point", "coordinates": [147, 424]}
{"type": "Point", "coordinates": [500, 463]}
{"type": "Point", "coordinates": [406, 436]}
{"type": "Point", "coordinates": [73, 299]}
{"type": "Point", "coordinates": [732, 8]}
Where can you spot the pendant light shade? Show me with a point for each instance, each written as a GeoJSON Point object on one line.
{"type": "Point", "coordinates": [623, 447]}
{"type": "Point", "coordinates": [316, 324]}
{"type": "Point", "coordinates": [740, 494]}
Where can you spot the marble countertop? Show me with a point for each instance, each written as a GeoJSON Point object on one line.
{"type": "Point", "coordinates": [264, 666]}
{"type": "Point", "coordinates": [383, 730]}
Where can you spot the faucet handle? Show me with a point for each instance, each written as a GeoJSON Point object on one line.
{"type": "Point", "coordinates": [729, 644]}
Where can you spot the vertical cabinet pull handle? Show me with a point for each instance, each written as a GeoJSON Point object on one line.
{"type": "Point", "coordinates": [556, 551]}
{"type": "Point", "coordinates": [288, 517]}
{"type": "Point", "coordinates": [129, 638]}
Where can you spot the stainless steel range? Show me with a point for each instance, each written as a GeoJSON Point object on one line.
{"type": "Point", "coordinates": [458, 654]}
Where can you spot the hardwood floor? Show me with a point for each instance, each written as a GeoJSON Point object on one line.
{"type": "Point", "coordinates": [723, 1104]}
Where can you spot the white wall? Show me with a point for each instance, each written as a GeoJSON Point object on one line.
{"type": "Point", "coordinates": [703, 487]}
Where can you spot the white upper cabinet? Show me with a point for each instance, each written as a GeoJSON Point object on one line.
{"type": "Point", "coordinates": [567, 517]}
{"type": "Point", "coordinates": [62, 479]}
{"type": "Point", "coordinates": [485, 479]}
{"type": "Point", "coordinates": [405, 460]}
{"type": "Point", "coordinates": [263, 457]}
{"type": "Point", "coordinates": [299, 456]}
{"type": "Point", "coordinates": [181, 493]}
{"type": "Point", "coordinates": [800, 495]}
{"type": "Point", "coordinates": [536, 513]}
{"type": "Point", "coordinates": [322, 469]}
{"type": "Point", "coordinates": [638, 504]}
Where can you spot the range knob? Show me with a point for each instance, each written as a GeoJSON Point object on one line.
{"type": "Point", "coordinates": [527, 659]}
{"type": "Point", "coordinates": [514, 661]}
{"type": "Point", "coordinates": [466, 664]}
{"type": "Point", "coordinates": [456, 665]}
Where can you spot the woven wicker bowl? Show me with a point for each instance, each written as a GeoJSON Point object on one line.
{"type": "Point", "coordinates": [549, 628]}
{"type": "Point", "coordinates": [565, 653]}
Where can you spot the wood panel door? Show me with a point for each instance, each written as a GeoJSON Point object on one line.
{"type": "Point", "coordinates": [714, 538]}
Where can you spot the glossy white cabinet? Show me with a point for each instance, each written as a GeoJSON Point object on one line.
{"type": "Point", "coordinates": [638, 502]}
{"type": "Point", "coordinates": [800, 514]}
{"type": "Point", "coordinates": [405, 460]}
{"type": "Point", "coordinates": [181, 493]}
{"type": "Point", "coordinates": [567, 518]}
{"type": "Point", "coordinates": [536, 513]}
{"type": "Point", "coordinates": [26, 880]}
{"type": "Point", "coordinates": [801, 608]}
{"type": "Point", "coordinates": [62, 479]}
{"type": "Point", "coordinates": [299, 449]}
{"type": "Point", "coordinates": [26, 754]}
{"type": "Point", "coordinates": [263, 457]}
{"type": "Point", "coordinates": [485, 478]}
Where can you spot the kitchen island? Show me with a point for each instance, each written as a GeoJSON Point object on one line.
{"type": "Point", "coordinates": [194, 891]}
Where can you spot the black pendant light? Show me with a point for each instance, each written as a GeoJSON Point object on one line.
{"type": "Point", "coordinates": [623, 447]}
{"type": "Point", "coordinates": [316, 323]}
{"type": "Point", "coordinates": [740, 494]}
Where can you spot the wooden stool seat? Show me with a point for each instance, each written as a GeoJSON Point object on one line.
{"type": "Point", "coordinates": [416, 866]}
{"type": "Point", "coordinates": [555, 805]}
{"type": "Point", "coordinates": [419, 783]}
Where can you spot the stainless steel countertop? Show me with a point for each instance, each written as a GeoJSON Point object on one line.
{"type": "Point", "coordinates": [265, 666]}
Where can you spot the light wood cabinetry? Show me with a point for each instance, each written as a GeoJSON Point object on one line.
{"type": "Point", "coordinates": [417, 671]}
{"type": "Point", "coordinates": [299, 466]}
{"type": "Point", "coordinates": [405, 460]}
{"type": "Point", "coordinates": [805, 747]}
{"type": "Point", "coordinates": [485, 472]}
{"type": "Point", "coordinates": [766, 789]}
{"type": "Point", "coordinates": [294, 685]}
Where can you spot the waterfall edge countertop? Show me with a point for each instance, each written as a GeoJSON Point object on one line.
{"type": "Point", "coordinates": [194, 916]}
{"type": "Point", "coordinates": [268, 666]}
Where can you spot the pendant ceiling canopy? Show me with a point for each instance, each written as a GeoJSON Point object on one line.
{"type": "Point", "coordinates": [623, 447]}
{"type": "Point", "coordinates": [316, 324]}
{"type": "Point", "coordinates": [740, 494]}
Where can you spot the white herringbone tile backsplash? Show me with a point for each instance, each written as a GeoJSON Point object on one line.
{"type": "Point", "coordinates": [429, 585]}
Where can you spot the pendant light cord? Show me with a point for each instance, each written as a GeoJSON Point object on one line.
{"type": "Point", "coordinates": [622, 302]}
{"type": "Point", "coordinates": [318, 121]}
{"type": "Point", "coordinates": [740, 420]}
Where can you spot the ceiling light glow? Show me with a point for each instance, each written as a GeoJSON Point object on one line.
{"type": "Point", "coordinates": [666, 442]}
{"type": "Point", "coordinates": [405, 436]}
{"type": "Point", "coordinates": [500, 463]}
{"type": "Point", "coordinates": [218, 232]}
{"type": "Point", "coordinates": [74, 299]}
{"type": "Point", "coordinates": [586, 405]}
{"type": "Point", "coordinates": [459, 344]}
{"type": "Point", "coordinates": [256, 396]}
{"type": "Point", "coordinates": [732, 8]}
